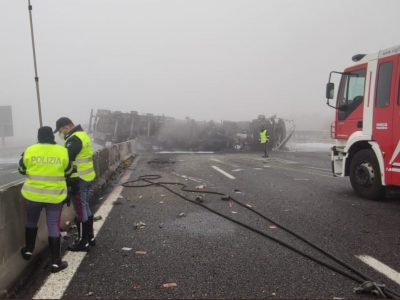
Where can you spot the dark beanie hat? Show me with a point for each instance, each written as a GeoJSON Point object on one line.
{"type": "Point", "coordinates": [61, 122]}
{"type": "Point", "coordinates": [45, 134]}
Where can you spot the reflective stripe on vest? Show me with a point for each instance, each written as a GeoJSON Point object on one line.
{"type": "Point", "coordinates": [44, 191]}
{"type": "Point", "coordinates": [45, 167]}
{"type": "Point", "coordinates": [46, 178]}
{"type": "Point", "coordinates": [84, 160]}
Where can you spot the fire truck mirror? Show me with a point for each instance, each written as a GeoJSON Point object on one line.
{"type": "Point", "coordinates": [330, 89]}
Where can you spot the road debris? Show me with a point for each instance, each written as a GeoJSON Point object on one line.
{"type": "Point", "coordinates": [97, 218]}
{"type": "Point", "coordinates": [162, 195]}
{"type": "Point", "coordinates": [234, 212]}
{"type": "Point", "coordinates": [225, 197]}
{"type": "Point", "coordinates": [182, 214]}
{"type": "Point", "coordinates": [236, 170]}
{"type": "Point", "coordinates": [139, 225]}
{"type": "Point", "coordinates": [140, 197]}
{"type": "Point", "coordinates": [199, 199]}
{"type": "Point", "coordinates": [230, 204]}
{"type": "Point", "coordinates": [237, 191]}
{"type": "Point", "coordinates": [126, 249]}
{"type": "Point", "coordinates": [135, 286]}
{"type": "Point", "coordinates": [161, 225]}
{"type": "Point", "coordinates": [272, 227]}
{"type": "Point", "coordinates": [200, 187]}
{"type": "Point", "coordinates": [140, 252]}
{"type": "Point", "coordinates": [90, 294]}
{"type": "Point", "coordinates": [248, 205]}
{"type": "Point", "coordinates": [67, 223]}
{"type": "Point", "coordinates": [169, 285]}
{"type": "Point", "coordinates": [161, 202]}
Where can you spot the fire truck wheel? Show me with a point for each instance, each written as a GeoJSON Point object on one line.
{"type": "Point", "coordinates": [365, 176]}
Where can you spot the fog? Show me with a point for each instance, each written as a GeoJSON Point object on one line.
{"type": "Point", "coordinates": [206, 59]}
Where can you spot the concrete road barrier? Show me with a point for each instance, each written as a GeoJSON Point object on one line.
{"type": "Point", "coordinates": [13, 216]}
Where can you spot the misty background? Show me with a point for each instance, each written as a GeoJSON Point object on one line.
{"type": "Point", "coordinates": [206, 59]}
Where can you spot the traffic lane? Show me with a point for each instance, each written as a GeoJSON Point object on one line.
{"type": "Point", "coordinates": [206, 256]}
{"type": "Point", "coordinates": [9, 173]}
{"type": "Point", "coordinates": [322, 208]}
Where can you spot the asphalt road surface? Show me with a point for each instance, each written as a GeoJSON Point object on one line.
{"type": "Point", "coordinates": [202, 255]}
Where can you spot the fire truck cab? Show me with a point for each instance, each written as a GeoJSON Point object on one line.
{"type": "Point", "coordinates": [367, 122]}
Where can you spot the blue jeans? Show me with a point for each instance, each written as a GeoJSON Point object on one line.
{"type": "Point", "coordinates": [80, 200]}
{"type": "Point", "coordinates": [53, 214]}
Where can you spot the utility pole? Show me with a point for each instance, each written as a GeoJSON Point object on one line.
{"type": "Point", "coordinates": [35, 65]}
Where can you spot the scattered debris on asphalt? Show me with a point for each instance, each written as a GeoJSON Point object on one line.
{"type": "Point", "coordinates": [97, 218]}
{"type": "Point", "coordinates": [237, 191]}
{"type": "Point", "coordinates": [182, 214]}
{"type": "Point", "coordinates": [199, 199]}
{"type": "Point", "coordinates": [230, 204]}
{"type": "Point", "coordinates": [162, 195]}
{"type": "Point", "coordinates": [273, 227]}
{"type": "Point", "coordinates": [200, 187]}
{"type": "Point", "coordinates": [140, 252]}
{"type": "Point", "coordinates": [126, 249]}
{"type": "Point", "coordinates": [135, 286]}
{"type": "Point", "coordinates": [225, 197]}
{"type": "Point", "coordinates": [140, 196]}
{"type": "Point", "coordinates": [67, 223]}
{"type": "Point", "coordinates": [169, 285]}
{"type": "Point", "coordinates": [234, 212]}
{"type": "Point", "coordinates": [89, 294]}
{"type": "Point", "coordinates": [248, 205]}
{"type": "Point", "coordinates": [161, 202]}
{"type": "Point", "coordinates": [161, 225]}
{"type": "Point", "coordinates": [139, 225]}
{"type": "Point", "coordinates": [236, 170]}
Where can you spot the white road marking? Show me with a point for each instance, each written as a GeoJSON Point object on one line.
{"type": "Point", "coordinates": [217, 160]}
{"type": "Point", "coordinates": [236, 170]}
{"type": "Point", "coordinates": [223, 172]}
{"type": "Point", "coordinates": [314, 168]}
{"type": "Point", "coordinates": [381, 267]}
{"type": "Point", "coordinates": [285, 161]}
{"type": "Point", "coordinates": [56, 283]}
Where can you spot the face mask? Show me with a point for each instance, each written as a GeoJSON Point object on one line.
{"type": "Point", "coordinates": [61, 135]}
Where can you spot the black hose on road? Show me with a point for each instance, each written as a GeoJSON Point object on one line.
{"type": "Point", "coordinates": [367, 284]}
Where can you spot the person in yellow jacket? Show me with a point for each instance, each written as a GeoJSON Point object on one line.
{"type": "Point", "coordinates": [45, 165]}
{"type": "Point", "coordinates": [80, 152]}
{"type": "Point", "coordinates": [264, 138]}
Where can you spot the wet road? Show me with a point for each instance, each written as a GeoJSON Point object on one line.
{"type": "Point", "coordinates": [202, 255]}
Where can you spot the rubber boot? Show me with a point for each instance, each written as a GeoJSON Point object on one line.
{"type": "Point", "coordinates": [92, 241]}
{"type": "Point", "coordinates": [82, 244]}
{"type": "Point", "coordinates": [30, 240]}
{"type": "Point", "coordinates": [55, 250]}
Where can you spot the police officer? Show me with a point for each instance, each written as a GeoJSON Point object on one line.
{"type": "Point", "coordinates": [264, 138]}
{"type": "Point", "coordinates": [80, 152]}
{"type": "Point", "coordinates": [45, 165]}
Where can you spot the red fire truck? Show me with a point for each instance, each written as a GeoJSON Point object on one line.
{"type": "Point", "coordinates": [367, 122]}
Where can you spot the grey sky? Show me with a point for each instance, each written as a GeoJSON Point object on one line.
{"type": "Point", "coordinates": [217, 59]}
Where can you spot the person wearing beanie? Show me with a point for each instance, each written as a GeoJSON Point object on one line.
{"type": "Point", "coordinates": [45, 165]}
{"type": "Point", "coordinates": [80, 151]}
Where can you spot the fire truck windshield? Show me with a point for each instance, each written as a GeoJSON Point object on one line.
{"type": "Point", "coordinates": [351, 92]}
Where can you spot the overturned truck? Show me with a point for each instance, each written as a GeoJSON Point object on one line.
{"type": "Point", "coordinates": [168, 133]}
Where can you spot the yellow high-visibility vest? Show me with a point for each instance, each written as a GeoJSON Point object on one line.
{"type": "Point", "coordinates": [84, 159]}
{"type": "Point", "coordinates": [45, 166]}
{"type": "Point", "coordinates": [264, 136]}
